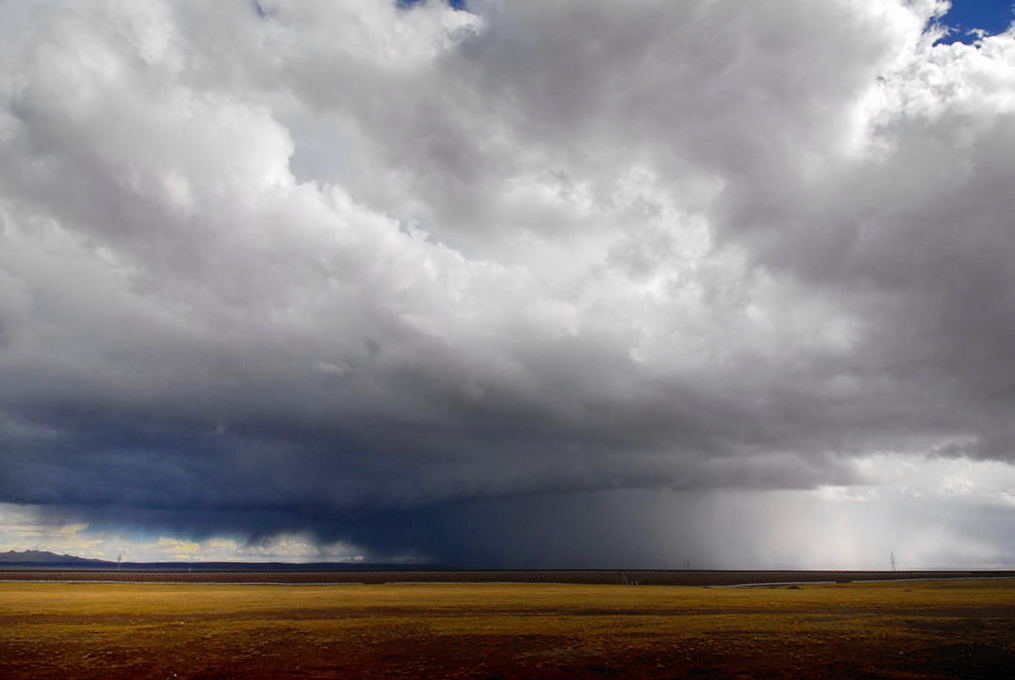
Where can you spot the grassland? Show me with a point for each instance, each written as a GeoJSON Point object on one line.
{"type": "Point", "coordinates": [909, 630]}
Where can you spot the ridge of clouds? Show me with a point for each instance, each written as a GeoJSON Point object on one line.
{"type": "Point", "coordinates": [328, 259]}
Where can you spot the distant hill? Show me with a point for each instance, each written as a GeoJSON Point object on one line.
{"type": "Point", "coordinates": [31, 559]}
{"type": "Point", "coordinates": [46, 557]}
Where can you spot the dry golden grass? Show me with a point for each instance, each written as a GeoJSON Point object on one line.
{"type": "Point", "coordinates": [956, 629]}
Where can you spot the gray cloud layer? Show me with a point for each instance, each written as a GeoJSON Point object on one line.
{"type": "Point", "coordinates": [291, 268]}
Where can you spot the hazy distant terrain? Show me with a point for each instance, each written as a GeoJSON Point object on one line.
{"type": "Point", "coordinates": [45, 557]}
{"type": "Point", "coordinates": [275, 573]}
{"type": "Point", "coordinates": [35, 565]}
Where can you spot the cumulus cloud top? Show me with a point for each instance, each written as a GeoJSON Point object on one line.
{"type": "Point", "coordinates": [296, 266]}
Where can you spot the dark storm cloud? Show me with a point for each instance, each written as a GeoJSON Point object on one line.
{"type": "Point", "coordinates": [393, 274]}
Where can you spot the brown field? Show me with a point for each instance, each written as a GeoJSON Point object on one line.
{"type": "Point", "coordinates": [904, 630]}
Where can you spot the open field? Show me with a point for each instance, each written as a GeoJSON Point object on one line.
{"type": "Point", "coordinates": [252, 573]}
{"type": "Point", "coordinates": [906, 630]}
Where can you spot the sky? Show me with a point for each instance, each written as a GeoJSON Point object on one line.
{"type": "Point", "coordinates": [568, 283]}
{"type": "Point", "coordinates": [967, 18]}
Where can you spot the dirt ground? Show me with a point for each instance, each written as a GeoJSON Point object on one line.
{"type": "Point", "coordinates": [908, 630]}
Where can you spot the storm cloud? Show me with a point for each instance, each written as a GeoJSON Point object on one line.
{"type": "Point", "coordinates": [441, 280]}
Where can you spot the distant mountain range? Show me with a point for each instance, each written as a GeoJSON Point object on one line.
{"type": "Point", "coordinates": [48, 558]}
{"type": "Point", "coordinates": [31, 559]}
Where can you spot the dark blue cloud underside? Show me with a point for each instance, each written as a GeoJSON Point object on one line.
{"type": "Point", "coordinates": [405, 4]}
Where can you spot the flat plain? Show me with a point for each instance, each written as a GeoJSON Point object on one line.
{"type": "Point", "coordinates": [904, 630]}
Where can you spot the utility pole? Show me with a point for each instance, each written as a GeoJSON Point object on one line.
{"type": "Point", "coordinates": [893, 561]}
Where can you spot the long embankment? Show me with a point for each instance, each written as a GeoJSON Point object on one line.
{"type": "Point", "coordinates": [582, 576]}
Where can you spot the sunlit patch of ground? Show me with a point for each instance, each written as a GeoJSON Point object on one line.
{"type": "Point", "coordinates": [914, 630]}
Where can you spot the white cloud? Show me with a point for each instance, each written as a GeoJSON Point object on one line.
{"type": "Point", "coordinates": [22, 528]}
{"type": "Point", "coordinates": [334, 257]}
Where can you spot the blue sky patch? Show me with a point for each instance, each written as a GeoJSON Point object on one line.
{"type": "Point", "coordinates": [992, 16]}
